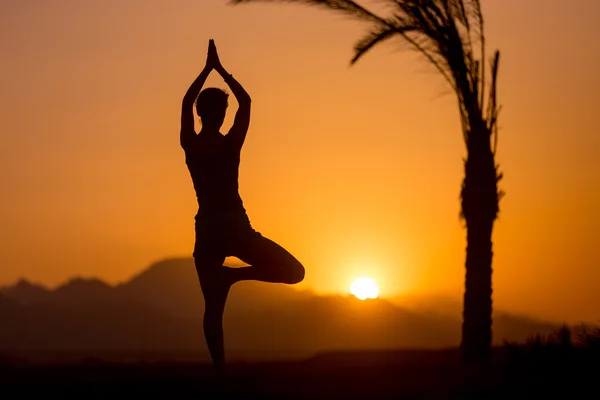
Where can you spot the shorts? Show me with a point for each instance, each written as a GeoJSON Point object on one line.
{"type": "Point", "coordinates": [221, 235]}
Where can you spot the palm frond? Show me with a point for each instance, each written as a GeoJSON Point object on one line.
{"type": "Point", "coordinates": [492, 105]}
{"type": "Point", "coordinates": [348, 7]}
{"type": "Point", "coordinates": [493, 109]}
{"type": "Point", "coordinates": [378, 35]}
{"type": "Point", "coordinates": [461, 13]}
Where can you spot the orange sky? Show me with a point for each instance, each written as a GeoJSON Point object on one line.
{"type": "Point", "coordinates": [355, 170]}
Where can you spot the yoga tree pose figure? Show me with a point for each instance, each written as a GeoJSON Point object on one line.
{"type": "Point", "coordinates": [222, 226]}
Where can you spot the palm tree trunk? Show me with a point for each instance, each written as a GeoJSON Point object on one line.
{"type": "Point", "coordinates": [480, 208]}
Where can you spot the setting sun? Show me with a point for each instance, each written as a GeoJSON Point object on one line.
{"type": "Point", "coordinates": [364, 288]}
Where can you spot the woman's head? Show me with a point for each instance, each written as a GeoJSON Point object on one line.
{"type": "Point", "coordinates": [211, 106]}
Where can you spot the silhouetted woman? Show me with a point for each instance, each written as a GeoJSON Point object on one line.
{"type": "Point", "coordinates": [222, 226]}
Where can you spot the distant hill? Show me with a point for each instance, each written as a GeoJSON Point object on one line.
{"type": "Point", "coordinates": [162, 307]}
{"type": "Point", "coordinates": [26, 292]}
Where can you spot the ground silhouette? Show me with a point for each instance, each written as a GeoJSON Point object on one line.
{"type": "Point", "coordinates": [416, 374]}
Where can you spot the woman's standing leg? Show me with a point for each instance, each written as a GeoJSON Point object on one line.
{"type": "Point", "coordinates": [215, 290]}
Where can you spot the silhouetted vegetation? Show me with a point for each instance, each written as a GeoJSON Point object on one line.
{"type": "Point", "coordinates": [450, 35]}
{"type": "Point", "coordinates": [559, 347]}
{"type": "Point", "coordinates": [567, 359]}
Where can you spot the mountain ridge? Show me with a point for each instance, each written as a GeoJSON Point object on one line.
{"type": "Point", "coordinates": [161, 308]}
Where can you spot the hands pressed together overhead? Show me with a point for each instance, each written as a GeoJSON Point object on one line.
{"type": "Point", "coordinates": [212, 59]}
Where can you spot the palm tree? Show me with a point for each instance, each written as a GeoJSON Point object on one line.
{"type": "Point", "coordinates": [450, 35]}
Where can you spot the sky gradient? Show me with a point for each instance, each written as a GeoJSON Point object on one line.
{"type": "Point", "coordinates": [355, 170]}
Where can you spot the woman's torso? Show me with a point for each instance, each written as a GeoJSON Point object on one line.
{"type": "Point", "coordinates": [214, 167]}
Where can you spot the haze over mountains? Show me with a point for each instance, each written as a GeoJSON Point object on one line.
{"type": "Point", "coordinates": [161, 310]}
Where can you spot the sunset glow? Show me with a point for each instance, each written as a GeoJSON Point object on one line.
{"type": "Point", "coordinates": [364, 288]}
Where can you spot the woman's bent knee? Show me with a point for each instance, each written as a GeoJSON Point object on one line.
{"type": "Point", "coordinates": [296, 273]}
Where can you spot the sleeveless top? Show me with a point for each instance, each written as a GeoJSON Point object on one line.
{"type": "Point", "coordinates": [215, 179]}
